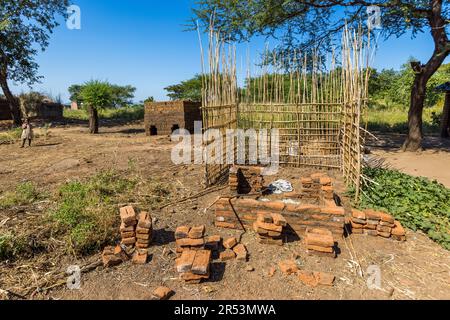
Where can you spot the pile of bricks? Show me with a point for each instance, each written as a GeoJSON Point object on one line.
{"type": "Point", "coordinates": [136, 232]}
{"type": "Point", "coordinates": [311, 279]}
{"type": "Point", "coordinates": [233, 250]}
{"type": "Point", "coordinates": [245, 180]}
{"type": "Point", "coordinates": [377, 224]}
{"type": "Point", "coordinates": [113, 256]}
{"type": "Point", "coordinates": [193, 238]}
{"type": "Point", "coordinates": [194, 265]}
{"type": "Point", "coordinates": [320, 242]}
{"type": "Point", "coordinates": [269, 228]}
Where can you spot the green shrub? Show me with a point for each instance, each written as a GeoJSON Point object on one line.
{"type": "Point", "coordinates": [10, 136]}
{"type": "Point", "coordinates": [418, 203]}
{"type": "Point", "coordinates": [131, 113]}
{"type": "Point", "coordinates": [10, 246]}
{"type": "Point", "coordinates": [24, 194]}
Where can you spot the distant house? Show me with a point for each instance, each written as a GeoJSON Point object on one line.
{"type": "Point", "coordinates": [74, 105]}
{"type": "Point", "coordinates": [46, 110]}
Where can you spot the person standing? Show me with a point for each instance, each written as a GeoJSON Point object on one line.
{"type": "Point", "coordinates": [27, 133]}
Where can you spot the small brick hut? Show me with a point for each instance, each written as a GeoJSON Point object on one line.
{"type": "Point", "coordinates": [44, 111]}
{"type": "Point", "coordinates": [163, 118]}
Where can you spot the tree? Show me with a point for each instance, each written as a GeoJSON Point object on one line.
{"type": "Point", "coordinates": [121, 95]}
{"type": "Point", "coordinates": [149, 100]}
{"type": "Point", "coordinates": [28, 29]}
{"type": "Point", "coordinates": [303, 24]}
{"type": "Point", "coordinates": [190, 90]}
{"type": "Point", "coordinates": [96, 95]}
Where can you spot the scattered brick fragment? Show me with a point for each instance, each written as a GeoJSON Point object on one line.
{"type": "Point", "coordinates": [230, 243]}
{"type": "Point", "coordinates": [288, 267]}
{"type": "Point", "coordinates": [163, 293]}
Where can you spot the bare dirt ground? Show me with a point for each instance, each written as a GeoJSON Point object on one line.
{"type": "Point", "coordinates": [416, 269]}
{"type": "Point", "coordinates": [431, 162]}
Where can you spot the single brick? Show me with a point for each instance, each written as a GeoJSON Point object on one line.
{"type": "Point", "coordinates": [184, 263]}
{"type": "Point", "coordinates": [385, 217]}
{"type": "Point", "coordinates": [197, 232]}
{"type": "Point", "coordinates": [230, 243]}
{"type": "Point", "coordinates": [288, 267]}
{"type": "Point", "coordinates": [320, 248]}
{"type": "Point", "coordinates": [319, 240]}
{"type": "Point", "coordinates": [227, 255]}
{"type": "Point", "coordinates": [307, 278]}
{"type": "Point", "coordinates": [163, 293]}
{"type": "Point", "coordinates": [279, 220]}
{"type": "Point", "coordinates": [201, 262]}
{"type": "Point", "coordinates": [128, 216]}
{"type": "Point", "coordinates": [187, 242]}
{"type": "Point", "coordinates": [182, 232]}
{"type": "Point", "coordinates": [140, 257]}
{"type": "Point", "coordinates": [398, 230]}
{"type": "Point", "coordinates": [358, 214]}
{"type": "Point", "coordinates": [213, 242]}
{"type": "Point", "coordinates": [144, 220]}
{"type": "Point", "coordinates": [241, 252]}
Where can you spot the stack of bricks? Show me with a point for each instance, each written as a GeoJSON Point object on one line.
{"type": "Point", "coordinates": [233, 250]}
{"type": "Point", "coordinates": [377, 223]}
{"type": "Point", "coordinates": [269, 228]}
{"type": "Point", "coordinates": [136, 232]}
{"type": "Point", "coordinates": [113, 256]}
{"type": "Point", "coordinates": [188, 238]}
{"type": "Point", "coordinates": [194, 265]}
{"type": "Point", "coordinates": [245, 180]}
{"type": "Point", "coordinates": [320, 242]}
{"type": "Point", "coordinates": [128, 226]}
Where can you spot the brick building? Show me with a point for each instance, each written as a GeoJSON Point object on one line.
{"type": "Point", "coordinates": [162, 118]}
{"type": "Point", "coordinates": [43, 111]}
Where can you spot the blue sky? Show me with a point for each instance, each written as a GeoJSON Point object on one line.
{"type": "Point", "coordinates": [143, 43]}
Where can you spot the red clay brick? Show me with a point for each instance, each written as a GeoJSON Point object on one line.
{"type": "Point", "coordinates": [270, 241]}
{"type": "Point", "coordinates": [288, 267]}
{"type": "Point", "coordinates": [264, 217]}
{"type": "Point", "coordinates": [128, 216]}
{"type": "Point", "coordinates": [230, 243]}
{"type": "Point", "coordinates": [125, 235]}
{"type": "Point", "coordinates": [142, 236]}
{"type": "Point", "coordinates": [197, 232]}
{"type": "Point", "coordinates": [191, 277]}
{"type": "Point", "coordinates": [385, 217]}
{"type": "Point", "coordinates": [124, 228]}
{"type": "Point", "coordinates": [324, 279]}
{"type": "Point", "coordinates": [144, 220]}
{"type": "Point", "coordinates": [162, 293]}
{"type": "Point", "coordinates": [319, 240]}
{"type": "Point", "coordinates": [320, 248]}
{"type": "Point", "coordinates": [274, 205]}
{"type": "Point", "coordinates": [398, 230]}
{"type": "Point", "coordinates": [187, 242]}
{"type": "Point", "coordinates": [128, 241]}
{"type": "Point", "coordinates": [140, 257]}
{"type": "Point", "coordinates": [268, 226]}
{"type": "Point", "coordinates": [373, 215]}
{"type": "Point", "coordinates": [384, 229]}
{"type": "Point", "coordinates": [241, 252]}
{"type": "Point", "coordinates": [279, 220]}
{"type": "Point", "coordinates": [213, 242]}
{"type": "Point", "coordinates": [357, 225]}
{"type": "Point", "coordinates": [333, 210]}
{"type": "Point", "coordinates": [325, 181]}
{"type": "Point", "coordinates": [358, 214]}
{"type": "Point", "coordinates": [384, 234]}
{"type": "Point", "coordinates": [140, 230]}
{"type": "Point", "coordinates": [307, 278]}
{"type": "Point", "coordinates": [227, 255]}
{"type": "Point", "coordinates": [184, 263]}
{"type": "Point", "coordinates": [201, 262]}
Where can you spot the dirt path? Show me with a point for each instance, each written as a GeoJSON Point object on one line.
{"type": "Point", "coordinates": [432, 162]}
{"type": "Point", "coordinates": [417, 269]}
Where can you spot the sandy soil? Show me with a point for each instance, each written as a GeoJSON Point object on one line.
{"type": "Point", "coordinates": [431, 162]}
{"type": "Point", "coordinates": [417, 269]}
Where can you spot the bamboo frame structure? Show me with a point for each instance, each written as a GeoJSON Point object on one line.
{"type": "Point", "coordinates": [316, 107]}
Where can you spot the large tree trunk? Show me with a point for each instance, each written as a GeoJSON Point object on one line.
{"type": "Point", "coordinates": [14, 105]}
{"type": "Point", "coordinates": [445, 122]}
{"type": "Point", "coordinates": [93, 120]}
{"type": "Point", "coordinates": [423, 73]}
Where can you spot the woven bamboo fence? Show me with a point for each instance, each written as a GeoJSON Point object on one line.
{"type": "Point", "coordinates": [315, 107]}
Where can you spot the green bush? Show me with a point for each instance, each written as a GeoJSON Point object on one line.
{"type": "Point", "coordinates": [131, 113]}
{"type": "Point", "coordinates": [10, 246]}
{"type": "Point", "coordinates": [418, 203]}
{"type": "Point", "coordinates": [24, 194]}
{"type": "Point", "coordinates": [10, 136]}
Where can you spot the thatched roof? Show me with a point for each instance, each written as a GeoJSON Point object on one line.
{"type": "Point", "coordinates": [445, 87]}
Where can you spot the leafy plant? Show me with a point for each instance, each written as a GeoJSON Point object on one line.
{"type": "Point", "coordinates": [418, 203]}
{"type": "Point", "coordinates": [24, 194]}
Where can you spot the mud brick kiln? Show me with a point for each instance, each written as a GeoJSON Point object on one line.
{"type": "Point", "coordinates": [163, 118]}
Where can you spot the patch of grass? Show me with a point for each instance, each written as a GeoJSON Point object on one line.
{"type": "Point", "coordinates": [10, 136]}
{"type": "Point", "coordinates": [395, 119]}
{"type": "Point", "coordinates": [418, 203]}
{"type": "Point", "coordinates": [86, 211]}
{"type": "Point", "coordinates": [10, 246]}
{"type": "Point", "coordinates": [24, 194]}
{"type": "Point", "coordinates": [132, 113]}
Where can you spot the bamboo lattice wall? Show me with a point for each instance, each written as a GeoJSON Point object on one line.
{"type": "Point", "coordinates": [316, 108]}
